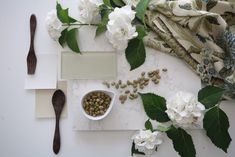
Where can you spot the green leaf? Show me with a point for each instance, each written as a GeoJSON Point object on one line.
{"type": "Point", "coordinates": [63, 37]}
{"type": "Point", "coordinates": [182, 142]}
{"type": "Point", "coordinates": [135, 151]}
{"type": "Point", "coordinates": [210, 4]}
{"type": "Point", "coordinates": [135, 53]}
{"type": "Point", "coordinates": [209, 96]}
{"type": "Point", "coordinates": [155, 107]}
{"type": "Point", "coordinates": [107, 2]}
{"type": "Point", "coordinates": [141, 8]}
{"type": "Point", "coordinates": [104, 21]}
{"type": "Point", "coordinates": [148, 125]}
{"type": "Point", "coordinates": [163, 128]}
{"type": "Point", "coordinates": [100, 29]}
{"type": "Point", "coordinates": [212, 20]}
{"type": "Point", "coordinates": [63, 14]}
{"type": "Point", "coordinates": [216, 124]}
{"type": "Point", "coordinates": [72, 40]}
{"type": "Point", "coordinates": [118, 3]}
{"type": "Point", "coordinates": [141, 31]}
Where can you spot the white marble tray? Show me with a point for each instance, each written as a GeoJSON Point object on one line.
{"type": "Point", "coordinates": [131, 115]}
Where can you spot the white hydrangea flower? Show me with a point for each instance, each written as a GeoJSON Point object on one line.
{"type": "Point", "coordinates": [146, 141]}
{"type": "Point", "coordinates": [184, 110]}
{"type": "Point", "coordinates": [88, 10]}
{"type": "Point", "coordinates": [53, 25]}
{"type": "Point", "coordinates": [119, 27]}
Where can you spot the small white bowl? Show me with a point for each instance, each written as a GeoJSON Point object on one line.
{"type": "Point", "coordinates": [111, 94]}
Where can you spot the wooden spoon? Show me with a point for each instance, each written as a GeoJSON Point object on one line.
{"type": "Point", "coordinates": [58, 101]}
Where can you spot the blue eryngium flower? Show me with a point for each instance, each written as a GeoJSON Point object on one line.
{"type": "Point", "coordinates": [226, 40]}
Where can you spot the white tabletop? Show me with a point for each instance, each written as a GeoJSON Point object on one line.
{"type": "Point", "coordinates": [22, 135]}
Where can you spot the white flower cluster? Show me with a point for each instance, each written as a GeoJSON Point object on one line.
{"type": "Point", "coordinates": [146, 141]}
{"type": "Point", "coordinates": [184, 110]}
{"type": "Point", "coordinates": [88, 10]}
{"type": "Point", "coordinates": [119, 28]}
{"type": "Point", "coordinates": [53, 25]}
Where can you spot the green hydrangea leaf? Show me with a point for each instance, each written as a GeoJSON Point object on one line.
{"type": "Point", "coordinates": [182, 142]}
{"type": "Point", "coordinates": [209, 96]}
{"type": "Point", "coordinates": [155, 107]}
{"type": "Point", "coordinates": [163, 128]}
{"type": "Point", "coordinates": [62, 39]}
{"type": "Point", "coordinates": [118, 3]}
{"type": "Point", "coordinates": [107, 2]}
{"type": "Point", "coordinates": [72, 40]}
{"type": "Point", "coordinates": [141, 31]}
{"type": "Point", "coordinates": [104, 20]}
{"type": "Point", "coordinates": [100, 29]}
{"type": "Point", "coordinates": [148, 125]}
{"type": "Point", "coordinates": [141, 8]}
{"type": "Point", "coordinates": [63, 14]}
{"type": "Point", "coordinates": [216, 124]}
{"type": "Point", "coordinates": [135, 53]}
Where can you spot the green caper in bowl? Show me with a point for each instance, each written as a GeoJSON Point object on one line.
{"type": "Point", "coordinates": [97, 104]}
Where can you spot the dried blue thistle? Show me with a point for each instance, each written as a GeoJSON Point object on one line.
{"type": "Point", "coordinates": [212, 71]}
{"type": "Point", "coordinates": [226, 40]}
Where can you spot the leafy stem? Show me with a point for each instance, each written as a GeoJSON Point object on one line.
{"type": "Point", "coordinates": [79, 24]}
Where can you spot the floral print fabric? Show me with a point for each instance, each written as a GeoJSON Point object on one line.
{"type": "Point", "coordinates": [201, 32]}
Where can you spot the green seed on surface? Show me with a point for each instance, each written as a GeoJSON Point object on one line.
{"type": "Point", "coordinates": [127, 92]}
{"type": "Point", "coordinates": [135, 90]}
{"type": "Point", "coordinates": [154, 79]}
{"type": "Point", "coordinates": [117, 86]}
{"type": "Point", "coordinates": [164, 69]}
{"type": "Point", "coordinates": [123, 86]}
{"type": "Point", "coordinates": [128, 82]}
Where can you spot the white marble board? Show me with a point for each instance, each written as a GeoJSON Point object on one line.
{"type": "Point", "coordinates": [131, 115]}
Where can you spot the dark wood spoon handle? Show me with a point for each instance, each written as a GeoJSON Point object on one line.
{"type": "Point", "coordinates": [56, 141]}
{"type": "Point", "coordinates": [33, 24]}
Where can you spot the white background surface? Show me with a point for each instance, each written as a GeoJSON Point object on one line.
{"type": "Point", "coordinates": [22, 135]}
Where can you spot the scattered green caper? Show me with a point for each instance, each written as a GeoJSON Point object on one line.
{"type": "Point", "coordinates": [135, 90]}
{"type": "Point", "coordinates": [134, 85]}
{"type": "Point", "coordinates": [117, 86]}
{"type": "Point", "coordinates": [154, 79]}
{"type": "Point", "coordinates": [131, 97]}
{"type": "Point", "coordinates": [106, 84]}
{"type": "Point", "coordinates": [156, 82]}
{"type": "Point", "coordinates": [123, 86]}
{"type": "Point", "coordinates": [164, 69]}
{"type": "Point", "coordinates": [128, 83]}
{"type": "Point", "coordinates": [127, 92]}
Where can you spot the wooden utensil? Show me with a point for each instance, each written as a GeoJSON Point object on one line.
{"type": "Point", "coordinates": [58, 101]}
{"type": "Point", "coordinates": [31, 58]}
